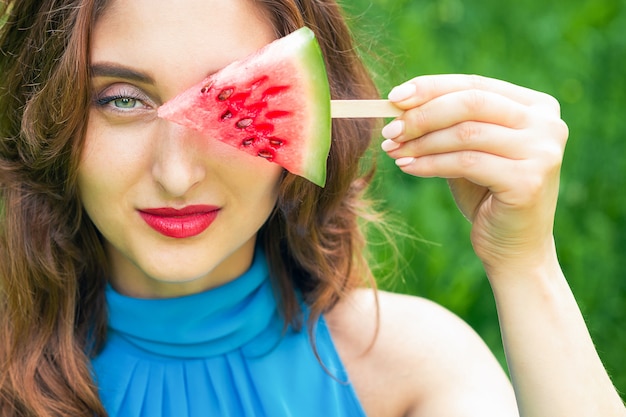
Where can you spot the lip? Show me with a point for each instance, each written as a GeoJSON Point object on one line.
{"type": "Point", "coordinates": [180, 223]}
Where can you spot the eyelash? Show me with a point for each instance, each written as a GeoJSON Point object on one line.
{"type": "Point", "coordinates": [107, 101]}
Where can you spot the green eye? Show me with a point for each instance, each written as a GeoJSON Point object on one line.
{"type": "Point", "coordinates": [121, 103]}
{"type": "Point", "coordinates": [123, 99]}
{"type": "Point", "coordinates": [125, 103]}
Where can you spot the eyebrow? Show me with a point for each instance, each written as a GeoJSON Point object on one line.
{"type": "Point", "coordinates": [110, 70]}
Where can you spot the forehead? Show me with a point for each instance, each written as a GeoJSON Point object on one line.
{"type": "Point", "coordinates": [184, 36]}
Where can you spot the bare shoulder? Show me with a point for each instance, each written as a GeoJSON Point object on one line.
{"type": "Point", "coordinates": [421, 359]}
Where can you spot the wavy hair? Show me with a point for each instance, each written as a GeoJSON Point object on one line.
{"type": "Point", "coordinates": [52, 263]}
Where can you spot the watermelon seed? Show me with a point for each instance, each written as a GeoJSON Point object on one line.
{"type": "Point", "coordinates": [276, 142]}
{"type": "Point", "coordinates": [226, 115]}
{"type": "Point", "coordinates": [248, 141]}
{"type": "Point", "coordinates": [225, 94]}
{"type": "Point", "coordinates": [206, 87]}
{"type": "Point", "coordinates": [243, 123]}
{"type": "Point", "coordinates": [267, 154]}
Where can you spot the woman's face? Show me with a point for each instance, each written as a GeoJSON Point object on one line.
{"type": "Point", "coordinates": [179, 210]}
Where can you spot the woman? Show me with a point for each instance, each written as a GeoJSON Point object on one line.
{"type": "Point", "coordinates": [257, 310]}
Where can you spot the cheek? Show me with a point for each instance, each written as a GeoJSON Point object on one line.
{"type": "Point", "coordinates": [95, 186]}
{"type": "Point", "coordinates": [257, 188]}
{"type": "Point", "coordinates": [92, 166]}
{"type": "Point", "coordinates": [110, 156]}
{"type": "Point", "coordinates": [105, 171]}
{"type": "Point", "coordinates": [256, 179]}
{"type": "Point", "coordinates": [272, 186]}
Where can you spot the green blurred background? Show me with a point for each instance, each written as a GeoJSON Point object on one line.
{"type": "Point", "coordinates": [574, 50]}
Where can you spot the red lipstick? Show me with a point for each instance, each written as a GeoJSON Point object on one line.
{"type": "Point", "coordinates": [180, 223]}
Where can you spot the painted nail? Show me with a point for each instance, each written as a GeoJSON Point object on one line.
{"type": "Point", "coordinates": [388, 145]}
{"type": "Point", "coordinates": [401, 92]}
{"type": "Point", "coordinates": [393, 129]}
{"type": "Point", "coordinates": [402, 162]}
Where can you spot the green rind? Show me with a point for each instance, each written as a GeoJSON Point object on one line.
{"type": "Point", "coordinates": [316, 151]}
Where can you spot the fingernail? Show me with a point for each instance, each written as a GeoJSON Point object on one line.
{"type": "Point", "coordinates": [388, 145]}
{"type": "Point", "coordinates": [393, 129]}
{"type": "Point", "coordinates": [401, 92]}
{"type": "Point", "coordinates": [407, 160]}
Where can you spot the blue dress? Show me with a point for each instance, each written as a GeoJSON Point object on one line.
{"type": "Point", "coordinates": [222, 352]}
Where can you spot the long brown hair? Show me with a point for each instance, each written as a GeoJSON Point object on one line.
{"type": "Point", "coordinates": [52, 265]}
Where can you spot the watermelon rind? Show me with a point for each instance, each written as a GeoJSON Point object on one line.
{"type": "Point", "coordinates": [295, 59]}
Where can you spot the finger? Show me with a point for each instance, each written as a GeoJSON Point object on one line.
{"type": "Point", "coordinates": [422, 89]}
{"type": "Point", "coordinates": [454, 108]}
{"type": "Point", "coordinates": [500, 175]}
{"type": "Point", "coordinates": [465, 136]}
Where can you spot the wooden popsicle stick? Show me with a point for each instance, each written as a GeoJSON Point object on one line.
{"type": "Point", "coordinates": [363, 108]}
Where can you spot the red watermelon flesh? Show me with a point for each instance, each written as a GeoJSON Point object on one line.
{"type": "Point", "coordinates": [274, 104]}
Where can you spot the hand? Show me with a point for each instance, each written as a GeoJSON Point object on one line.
{"type": "Point", "coordinates": [499, 145]}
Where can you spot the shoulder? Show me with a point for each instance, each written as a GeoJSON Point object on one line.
{"type": "Point", "coordinates": [420, 359]}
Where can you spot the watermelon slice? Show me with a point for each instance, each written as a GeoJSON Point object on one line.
{"type": "Point", "coordinates": [274, 104]}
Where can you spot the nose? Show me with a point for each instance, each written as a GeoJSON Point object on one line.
{"type": "Point", "coordinates": [177, 166]}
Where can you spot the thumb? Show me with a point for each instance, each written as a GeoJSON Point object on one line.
{"type": "Point", "coordinates": [468, 196]}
